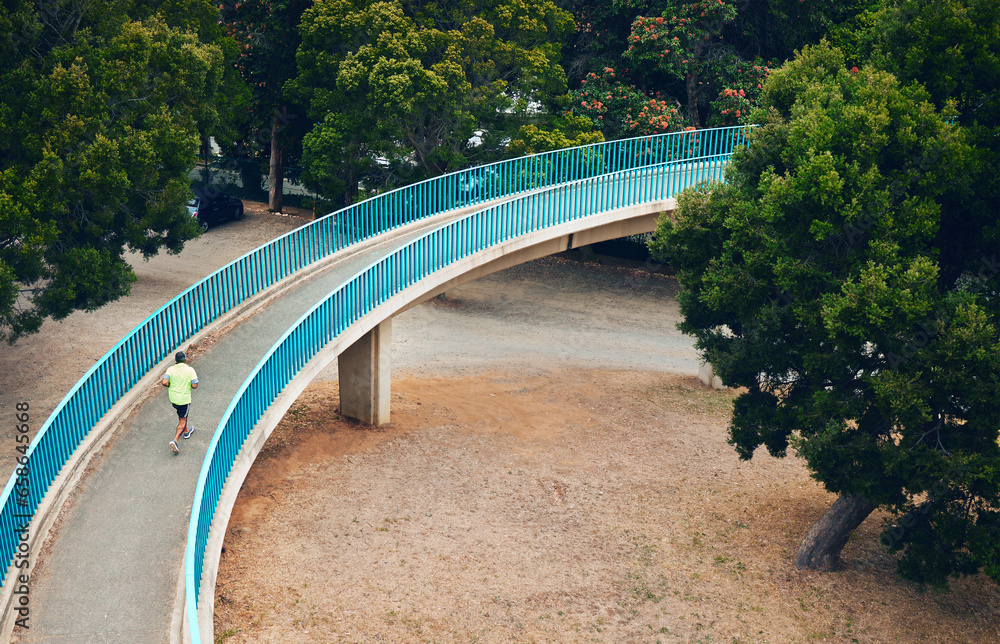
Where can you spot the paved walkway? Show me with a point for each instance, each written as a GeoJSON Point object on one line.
{"type": "Point", "coordinates": [112, 572]}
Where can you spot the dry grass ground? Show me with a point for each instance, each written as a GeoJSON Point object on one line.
{"type": "Point", "coordinates": [574, 505]}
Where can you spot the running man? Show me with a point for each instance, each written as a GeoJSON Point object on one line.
{"type": "Point", "coordinates": [180, 379]}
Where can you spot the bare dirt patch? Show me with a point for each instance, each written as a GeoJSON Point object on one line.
{"type": "Point", "coordinates": [567, 505]}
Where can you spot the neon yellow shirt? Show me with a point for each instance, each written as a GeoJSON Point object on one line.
{"type": "Point", "coordinates": [180, 376]}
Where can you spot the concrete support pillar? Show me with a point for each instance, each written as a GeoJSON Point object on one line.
{"type": "Point", "coordinates": [365, 371]}
{"type": "Point", "coordinates": [707, 375]}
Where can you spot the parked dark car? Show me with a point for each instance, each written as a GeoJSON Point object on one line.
{"type": "Point", "coordinates": [210, 209]}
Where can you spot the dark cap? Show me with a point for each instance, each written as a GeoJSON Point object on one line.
{"type": "Point", "coordinates": [180, 357]}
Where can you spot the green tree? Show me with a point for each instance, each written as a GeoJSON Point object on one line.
{"type": "Point", "coordinates": [952, 48]}
{"type": "Point", "coordinates": [222, 118]}
{"type": "Point", "coordinates": [564, 132]}
{"type": "Point", "coordinates": [742, 82]}
{"type": "Point", "coordinates": [816, 278]}
{"type": "Point", "coordinates": [409, 82]}
{"type": "Point", "coordinates": [682, 42]}
{"type": "Point", "coordinates": [774, 30]}
{"type": "Point", "coordinates": [267, 36]}
{"type": "Point", "coordinates": [602, 33]}
{"type": "Point", "coordinates": [668, 47]}
{"type": "Point", "coordinates": [620, 110]}
{"type": "Point", "coordinates": [99, 122]}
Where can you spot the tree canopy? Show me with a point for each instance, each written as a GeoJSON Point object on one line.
{"type": "Point", "coordinates": [819, 278]}
{"type": "Point", "coordinates": [680, 42]}
{"type": "Point", "coordinates": [267, 36]}
{"type": "Point", "coordinates": [620, 110]}
{"type": "Point", "coordinates": [409, 83]}
{"type": "Point", "coordinates": [99, 123]}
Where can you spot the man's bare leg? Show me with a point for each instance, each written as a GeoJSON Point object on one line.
{"type": "Point", "coordinates": [181, 428]}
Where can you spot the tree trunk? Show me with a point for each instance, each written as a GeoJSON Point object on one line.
{"type": "Point", "coordinates": [351, 186]}
{"type": "Point", "coordinates": [276, 177]}
{"type": "Point", "coordinates": [820, 550]}
{"type": "Point", "coordinates": [693, 94]}
{"type": "Point", "coordinates": [206, 148]}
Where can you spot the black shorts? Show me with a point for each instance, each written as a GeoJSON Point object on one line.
{"type": "Point", "coordinates": [182, 410]}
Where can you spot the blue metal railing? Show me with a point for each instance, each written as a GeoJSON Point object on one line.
{"type": "Point", "coordinates": [389, 276]}
{"type": "Point", "coordinates": [161, 333]}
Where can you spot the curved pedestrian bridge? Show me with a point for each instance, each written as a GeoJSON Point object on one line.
{"type": "Point", "coordinates": [136, 548]}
